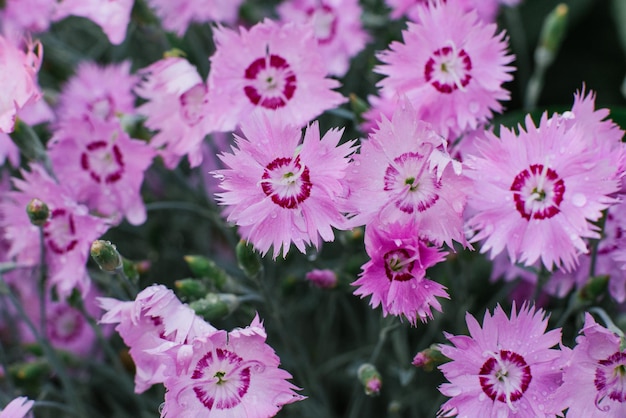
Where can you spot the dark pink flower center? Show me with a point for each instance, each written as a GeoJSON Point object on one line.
{"type": "Point", "coordinates": [398, 265]}
{"type": "Point", "coordinates": [60, 232]}
{"type": "Point", "coordinates": [505, 376]}
{"type": "Point", "coordinates": [448, 69]}
{"type": "Point", "coordinates": [270, 82]}
{"type": "Point", "coordinates": [103, 161]}
{"type": "Point", "coordinates": [287, 182]}
{"type": "Point", "coordinates": [412, 185]}
{"type": "Point", "coordinates": [104, 107]}
{"type": "Point", "coordinates": [610, 379]}
{"type": "Point", "coordinates": [538, 192]}
{"type": "Point", "coordinates": [193, 104]}
{"type": "Point", "coordinates": [221, 379]}
{"type": "Point", "coordinates": [324, 23]}
{"type": "Point", "coordinates": [65, 323]}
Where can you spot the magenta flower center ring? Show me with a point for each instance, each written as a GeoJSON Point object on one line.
{"type": "Point", "coordinates": [65, 324]}
{"type": "Point", "coordinates": [448, 69]}
{"type": "Point", "coordinates": [287, 182]}
{"type": "Point", "coordinates": [413, 186]}
{"type": "Point", "coordinates": [610, 379]}
{"type": "Point", "coordinates": [103, 162]}
{"type": "Point", "coordinates": [398, 265]}
{"type": "Point", "coordinates": [324, 23]}
{"type": "Point", "coordinates": [505, 376]}
{"type": "Point", "coordinates": [193, 104]}
{"type": "Point", "coordinates": [538, 192]}
{"type": "Point", "coordinates": [270, 82]}
{"type": "Point", "coordinates": [60, 232]}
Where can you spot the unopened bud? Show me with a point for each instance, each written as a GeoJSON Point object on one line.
{"type": "Point", "coordinates": [552, 34]}
{"type": "Point", "coordinates": [370, 378]}
{"type": "Point", "coordinates": [595, 287]}
{"type": "Point", "coordinates": [32, 370]}
{"type": "Point", "coordinates": [38, 212]}
{"type": "Point", "coordinates": [428, 358]}
{"type": "Point", "coordinates": [358, 105]}
{"type": "Point", "coordinates": [248, 259]}
{"type": "Point", "coordinates": [203, 267]}
{"type": "Point", "coordinates": [215, 306]}
{"type": "Point", "coordinates": [190, 289]}
{"type": "Point", "coordinates": [106, 256]}
{"type": "Point", "coordinates": [324, 279]}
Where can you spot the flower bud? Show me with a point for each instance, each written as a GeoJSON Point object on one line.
{"type": "Point", "coordinates": [248, 259]}
{"type": "Point", "coordinates": [370, 378]}
{"type": "Point", "coordinates": [215, 306]}
{"type": "Point", "coordinates": [105, 255]}
{"type": "Point", "coordinates": [324, 279]}
{"type": "Point", "coordinates": [595, 287]}
{"type": "Point", "coordinates": [552, 34]}
{"type": "Point", "coordinates": [203, 267]}
{"type": "Point", "coordinates": [38, 212]}
{"type": "Point", "coordinates": [428, 358]}
{"type": "Point", "coordinates": [191, 289]}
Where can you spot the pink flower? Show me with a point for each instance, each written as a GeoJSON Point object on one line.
{"type": "Point", "coordinates": [8, 151]}
{"type": "Point", "coordinates": [17, 408]}
{"type": "Point", "coordinates": [68, 233]}
{"type": "Point", "coordinates": [101, 92]}
{"type": "Point", "coordinates": [593, 379]}
{"type": "Point", "coordinates": [324, 279]}
{"type": "Point", "coordinates": [404, 172]}
{"type": "Point", "coordinates": [536, 192]}
{"type": "Point", "coordinates": [504, 369]}
{"type": "Point", "coordinates": [276, 69]}
{"type": "Point", "coordinates": [102, 166]}
{"type": "Point", "coordinates": [111, 15]}
{"type": "Point", "coordinates": [18, 78]}
{"type": "Point", "coordinates": [178, 108]}
{"type": "Point", "coordinates": [281, 191]}
{"type": "Point", "coordinates": [487, 9]}
{"type": "Point", "coordinates": [229, 375]}
{"type": "Point", "coordinates": [395, 275]}
{"type": "Point", "coordinates": [451, 66]}
{"type": "Point", "coordinates": [337, 26]}
{"type": "Point", "coordinates": [156, 321]}
{"type": "Point", "coordinates": [176, 16]}
{"type": "Point", "coordinates": [20, 16]}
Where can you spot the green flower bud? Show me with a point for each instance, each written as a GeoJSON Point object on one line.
{"type": "Point", "coordinates": [248, 259]}
{"type": "Point", "coordinates": [552, 34]}
{"type": "Point", "coordinates": [106, 256]}
{"type": "Point", "coordinates": [215, 306]}
{"type": "Point", "coordinates": [191, 289]}
{"type": "Point", "coordinates": [38, 212]}
{"type": "Point", "coordinates": [595, 287]}
{"type": "Point", "coordinates": [370, 378]}
{"type": "Point", "coordinates": [203, 267]}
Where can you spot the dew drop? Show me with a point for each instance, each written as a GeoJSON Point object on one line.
{"type": "Point", "coordinates": [481, 397]}
{"type": "Point", "coordinates": [579, 200]}
{"type": "Point", "coordinates": [473, 107]}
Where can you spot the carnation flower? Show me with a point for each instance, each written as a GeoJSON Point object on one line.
{"type": "Point", "coordinates": [403, 172]}
{"type": "Point", "coordinates": [176, 16]}
{"type": "Point", "coordinates": [17, 408]}
{"type": "Point", "coordinates": [281, 191]}
{"type": "Point", "coordinates": [229, 375]}
{"type": "Point", "coordinates": [20, 16]}
{"type": "Point", "coordinates": [451, 66]}
{"type": "Point", "coordinates": [324, 279]}
{"type": "Point", "coordinates": [156, 321]}
{"type": "Point", "coordinates": [594, 385]}
{"type": "Point", "coordinates": [395, 275]}
{"type": "Point", "coordinates": [276, 69]}
{"type": "Point", "coordinates": [507, 368]}
{"type": "Point", "coordinates": [487, 9]}
{"type": "Point", "coordinates": [337, 26]}
{"type": "Point", "coordinates": [178, 108]}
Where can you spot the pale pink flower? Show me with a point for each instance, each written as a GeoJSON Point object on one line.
{"type": "Point", "coordinates": [487, 9]}
{"type": "Point", "coordinates": [229, 375]}
{"type": "Point", "coordinates": [8, 151]}
{"type": "Point", "coordinates": [451, 66]}
{"type": "Point", "coordinates": [594, 385]}
{"type": "Point", "coordinates": [395, 276]}
{"type": "Point", "coordinates": [156, 321]}
{"type": "Point", "coordinates": [337, 25]}
{"type": "Point", "coordinates": [280, 190]}
{"type": "Point", "coordinates": [176, 16]}
{"type": "Point", "coordinates": [17, 408]}
{"type": "Point", "coordinates": [404, 172]}
{"type": "Point", "coordinates": [111, 15]}
{"type": "Point", "coordinates": [507, 368]}
{"type": "Point", "coordinates": [20, 16]}
{"type": "Point", "coordinates": [18, 79]}
{"type": "Point", "coordinates": [103, 167]}
{"type": "Point", "coordinates": [277, 69]}
{"type": "Point", "coordinates": [101, 92]}
{"type": "Point", "coordinates": [178, 108]}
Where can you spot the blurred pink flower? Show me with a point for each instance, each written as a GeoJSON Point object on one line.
{"type": "Point", "coordinates": [17, 408]}
{"type": "Point", "coordinates": [507, 368]}
{"type": "Point", "coordinates": [20, 16]}
{"type": "Point", "coordinates": [276, 69]}
{"type": "Point", "coordinates": [229, 375]}
{"type": "Point", "coordinates": [280, 190]}
{"type": "Point", "coordinates": [337, 26]}
{"type": "Point", "coordinates": [451, 66]}
{"type": "Point", "coordinates": [487, 9]}
{"type": "Point", "coordinates": [176, 16]}
{"type": "Point", "coordinates": [178, 108]}
{"type": "Point", "coordinates": [395, 276]}
{"type": "Point", "coordinates": [324, 279]}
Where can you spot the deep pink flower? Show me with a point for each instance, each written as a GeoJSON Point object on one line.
{"type": "Point", "coordinates": [102, 166]}
{"type": "Point", "coordinates": [594, 385]}
{"type": "Point", "coordinates": [395, 276]}
{"type": "Point", "coordinates": [507, 368]}
{"type": "Point", "coordinates": [18, 79]}
{"type": "Point", "coordinates": [178, 108]}
{"type": "Point", "coordinates": [280, 190]}
{"type": "Point", "coordinates": [156, 321]}
{"type": "Point", "coordinates": [229, 375]}
{"type": "Point", "coordinates": [404, 172]}
{"type": "Point", "coordinates": [324, 279]}
{"type": "Point", "coordinates": [451, 66]}
{"type": "Point", "coordinates": [176, 16]}
{"type": "Point", "coordinates": [111, 15]}
{"type": "Point", "coordinates": [276, 69]}
{"type": "Point", "coordinates": [337, 26]}
{"type": "Point", "coordinates": [17, 408]}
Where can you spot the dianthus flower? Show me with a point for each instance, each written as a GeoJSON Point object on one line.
{"type": "Point", "coordinates": [487, 9]}
{"type": "Point", "coordinates": [594, 385]}
{"type": "Point", "coordinates": [229, 375]}
{"type": "Point", "coordinates": [176, 16]}
{"type": "Point", "coordinates": [17, 408]}
{"type": "Point", "coordinates": [177, 107]}
{"type": "Point", "coordinates": [507, 368]}
{"type": "Point", "coordinates": [277, 69]}
{"type": "Point", "coordinates": [395, 276]}
{"type": "Point", "coordinates": [451, 66]}
{"type": "Point", "coordinates": [20, 16]}
{"type": "Point", "coordinates": [156, 321]}
{"type": "Point", "coordinates": [404, 172]}
{"type": "Point", "coordinates": [281, 191]}
{"type": "Point", "coordinates": [337, 26]}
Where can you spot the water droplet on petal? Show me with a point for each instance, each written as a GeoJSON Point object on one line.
{"type": "Point", "coordinates": [579, 200]}
{"type": "Point", "coordinates": [473, 107]}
